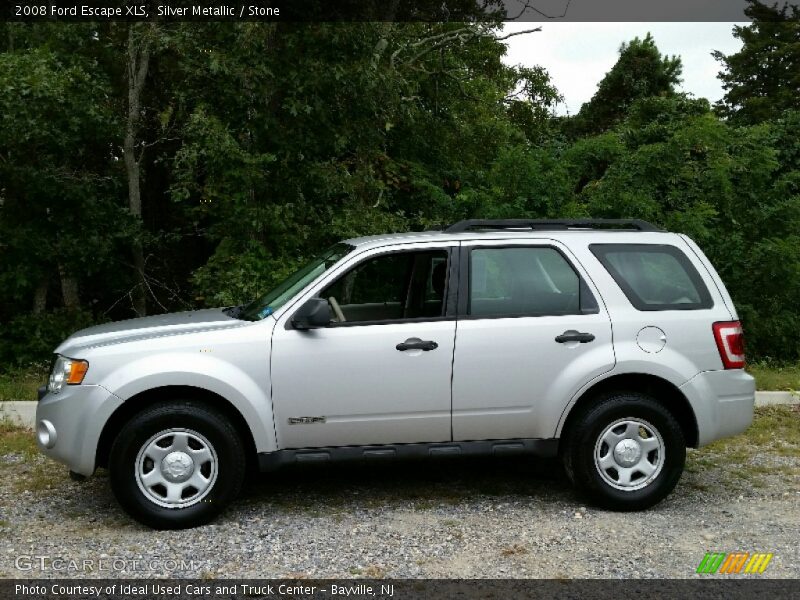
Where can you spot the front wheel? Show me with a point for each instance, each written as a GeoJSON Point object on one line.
{"type": "Point", "coordinates": [176, 465]}
{"type": "Point", "coordinates": [625, 452]}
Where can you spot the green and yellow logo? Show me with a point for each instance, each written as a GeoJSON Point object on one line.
{"type": "Point", "coordinates": [734, 563]}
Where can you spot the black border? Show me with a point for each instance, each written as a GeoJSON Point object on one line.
{"type": "Point", "coordinates": [698, 587]}
{"type": "Point", "coordinates": [299, 11]}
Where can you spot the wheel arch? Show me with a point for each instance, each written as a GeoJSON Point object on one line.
{"type": "Point", "coordinates": [663, 391]}
{"type": "Point", "coordinates": [143, 400]}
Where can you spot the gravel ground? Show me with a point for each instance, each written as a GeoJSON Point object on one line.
{"type": "Point", "coordinates": [452, 518]}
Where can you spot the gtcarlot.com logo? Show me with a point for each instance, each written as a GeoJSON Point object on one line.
{"type": "Point", "coordinates": [39, 562]}
{"type": "Point", "coordinates": [735, 563]}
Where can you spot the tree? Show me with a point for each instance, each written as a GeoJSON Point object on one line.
{"type": "Point", "coordinates": [759, 255]}
{"type": "Point", "coordinates": [54, 172]}
{"type": "Point", "coordinates": [137, 57]}
{"type": "Point", "coordinates": [369, 128]}
{"type": "Point", "coordinates": [734, 190]}
{"type": "Point", "coordinates": [763, 78]}
{"type": "Point", "coordinates": [231, 152]}
{"type": "Point", "coordinates": [640, 72]}
{"type": "Point", "coordinates": [531, 105]}
{"type": "Point", "coordinates": [60, 222]}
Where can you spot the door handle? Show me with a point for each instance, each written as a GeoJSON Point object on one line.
{"type": "Point", "coordinates": [574, 336]}
{"type": "Point", "coordinates": [425, 345]}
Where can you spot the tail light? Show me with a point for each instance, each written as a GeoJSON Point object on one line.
{"type": "Point", "coordinates": [730, 343]}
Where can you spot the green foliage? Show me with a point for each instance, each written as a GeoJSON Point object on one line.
{"type": "Point", "coordinates": [29, 339]}
{"type": "Point", "coordinates": [759, 257]}
{"type": "Point", "coordinates": [733, 192]}
{"type": "Point", "coordinates": [22, 383]}
{"type": "Point", "coordinates": [640, 72]}
{"type": "Point", "coordinates": [264, 143]}
{"type": "Point", "coordinates": [57, 184]}
{"type": "Point", "coordinates": [531, 106]}
{"type": "Point", "coordinates": [775, 375]}
{"type": "Point", "coordinates": [526, 182]}
{"type": "Point", "coordinates": [763, 78]}
{"type": "Point", "coordinates": [365, 131]}
{"type": "Point", "coordinates": [672, 162]}
{"type": "Point", "coordinates": [236, 273]}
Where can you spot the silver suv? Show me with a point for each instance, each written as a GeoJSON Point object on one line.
{"type": "Point", "coordinates": [610, 344]}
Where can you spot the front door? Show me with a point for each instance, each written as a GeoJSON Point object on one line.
{"type": "Point", "coordinates": [380, 373]}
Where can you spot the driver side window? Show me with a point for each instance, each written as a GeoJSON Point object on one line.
{"type": "Point", "coordinates": [391, 287]}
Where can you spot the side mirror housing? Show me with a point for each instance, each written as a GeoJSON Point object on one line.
{"type": "Point", "coordinates": [314, 313]}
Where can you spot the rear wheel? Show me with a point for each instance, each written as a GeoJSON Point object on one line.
{"type": "Point", "coordinates": [176, 465]}
{"type": "Point", "coordinates": [625, 452]}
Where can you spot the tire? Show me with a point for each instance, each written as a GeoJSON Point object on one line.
{"type": "Point", "coordinates": [625, 452]}
{"type": "Point", "coordinates": [177, 465]}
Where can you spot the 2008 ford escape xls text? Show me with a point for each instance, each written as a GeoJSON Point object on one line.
{"type": "Point", "coordinates": [611, 344]}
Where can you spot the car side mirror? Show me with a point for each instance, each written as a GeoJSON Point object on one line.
{"type": "Point", "coordinates": [314, 313]}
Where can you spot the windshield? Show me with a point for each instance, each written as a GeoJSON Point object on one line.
{"type": "Point", "coordinates": [277, 297]}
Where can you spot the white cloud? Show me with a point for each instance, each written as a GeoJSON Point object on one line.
{"type": "Point", "coordinates": [578, 55]}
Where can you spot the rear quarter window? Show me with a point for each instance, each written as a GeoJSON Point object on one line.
{"type": "Point", "coordinates": [654, 276]}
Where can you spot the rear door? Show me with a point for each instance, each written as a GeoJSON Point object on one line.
{"type": "Point", "coordinates": [531, 331]}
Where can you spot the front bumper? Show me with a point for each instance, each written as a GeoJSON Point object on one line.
{"type": "Point", "coordinates": [722, 401]}
{"type": "Point", "coordinates": [69, 424]}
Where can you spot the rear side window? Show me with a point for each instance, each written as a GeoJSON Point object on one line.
{"type": "Point", "coordinates": [653, 276]}
{"type": "Point", "coordinates": [525, 281]}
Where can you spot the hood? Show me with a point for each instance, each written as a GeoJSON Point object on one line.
{"type": "Point", "coordinates": [148, 327]}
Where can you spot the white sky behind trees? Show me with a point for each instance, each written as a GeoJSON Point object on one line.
{"type": "Point", "coordinates": [578, 55]}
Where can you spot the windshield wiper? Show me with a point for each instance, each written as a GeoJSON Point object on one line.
{"type": "Point", "coordinates": [234, 311]}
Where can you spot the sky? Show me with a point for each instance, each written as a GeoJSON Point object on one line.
{"type": "Point", "coordinates": [578, 55]}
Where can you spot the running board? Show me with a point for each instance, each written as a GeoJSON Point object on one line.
{"type": "Point", "coordinates": [270, 461]}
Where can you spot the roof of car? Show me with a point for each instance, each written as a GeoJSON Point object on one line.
{"type": "Point", "coordinates": [444, 236]}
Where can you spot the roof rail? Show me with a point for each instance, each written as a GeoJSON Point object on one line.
{"type": "Point", "coordinates": [549, 225]}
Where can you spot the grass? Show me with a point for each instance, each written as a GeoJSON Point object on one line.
{"type": "Point", "coordinates": [776, 428]}
{"type": "Point", "coordinates": [22, 383]}
{"type": "Point", "coordinates": [768, 452]}
{"type": "Point", "coordinates": [16, 440]}
{"type": "Point", "coordinates": [38, 475]}
{"type": "Point", "coordinates": [771, 376]}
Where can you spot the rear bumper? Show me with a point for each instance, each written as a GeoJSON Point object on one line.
{"type": "Point", "coordinates": [69, 424]}
{"type": "Point", "coordinates": [722, 401]}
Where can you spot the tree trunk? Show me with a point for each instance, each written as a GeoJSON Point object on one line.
{"type": "Point", "coordinates": [138, 57]}
{"type": "Point", "coordinates": [40, 296]}
{"type": "Point", "coordinates": [69, 289]}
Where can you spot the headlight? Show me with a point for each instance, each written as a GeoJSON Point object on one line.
{"type": "Point", "coordinates": [66, 371]}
